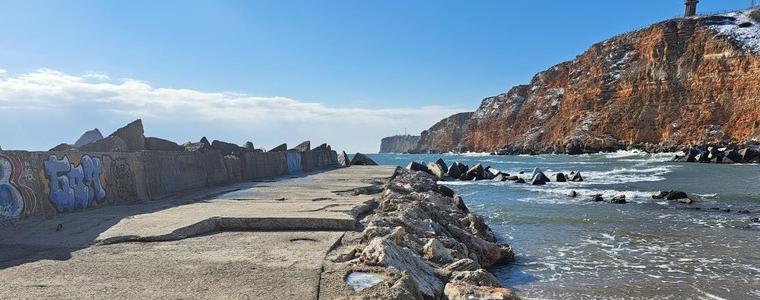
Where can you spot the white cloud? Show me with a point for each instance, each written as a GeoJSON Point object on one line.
{"type": "Point", "coordinates": [2, 72]}
{"type": "Point", "coordinates": [352, 127]}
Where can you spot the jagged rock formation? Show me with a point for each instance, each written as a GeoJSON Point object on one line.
{"type": "Point", "coordinates": [678, 82]}
{"type": "Point", "coordinates": [446, 135]}
{"type": "Point", "coordinates": [399, 143]}
{"type": "Point", "coordinates": [88, 137]}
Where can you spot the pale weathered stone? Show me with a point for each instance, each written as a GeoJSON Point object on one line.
{"type": "Point", "coordinates": [435, 251]}
{"type": "Point", "coordinates": [382, 252]}
{"type": "Point", "coordinates": [455, 291]}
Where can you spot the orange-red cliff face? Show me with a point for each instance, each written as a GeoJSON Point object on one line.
{"type": "Point", "coordinates": [675, 83]}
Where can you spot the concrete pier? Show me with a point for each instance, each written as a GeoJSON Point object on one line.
{"type": "Point", "coordinates": [253, 240]}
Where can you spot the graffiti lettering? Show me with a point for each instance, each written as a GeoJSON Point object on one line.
{"type": "Point", "coordinates": [74, 187]}
{"type": "Point", "coordinates": [15, 198]}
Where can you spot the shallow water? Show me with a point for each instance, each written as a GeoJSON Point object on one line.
{"type": "Point", "coordinates": [569, 248]}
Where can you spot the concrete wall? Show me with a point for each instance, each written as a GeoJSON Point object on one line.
{"type": "Point", "coordinates": [48, 183]}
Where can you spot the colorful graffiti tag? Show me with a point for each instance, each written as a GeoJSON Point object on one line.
{"type": "Point", "coordinates": [294, 162]}
{"type": "Point", "coordinates": [74, 187]}
{"type": "Point", "coordinates": [15, 198]}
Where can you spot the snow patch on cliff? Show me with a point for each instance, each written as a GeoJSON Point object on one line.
{"type": "Point", "coordinates": [739, 27]}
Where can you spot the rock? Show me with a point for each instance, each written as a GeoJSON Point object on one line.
{"type": "Point", "coordinates": [435, 251]}
{"type": "Point", "coordinates": [323, 147]}
{"type": "Point", "coordinates": [132, 135]}
{"type": "Point", "coordinates": [64, 147]}
{"type": "Point", "coordinates": [520, 180]}
{"type": "Point", "coordinates": [282, 147]}
{"type": "Point", "coordinates": [573, 194]}
{"type": "Point", "coordinates": [513, 178]}
{"type": "Point", "coordinates": [199, 146]}
{"type": "Point", "coordinates": [226, 148]}
{"type": "Point", "coordinates": [109, 144]}
{"type": "Point", "coordinates": [675, 195]}
{"type": "Point", "coordinates": [343, 160]}
{"type": "Point", "coordinates": [464, 264]}
{"type": "Point", "coordinates": [559, 177]}
{"type": "Point", "coordinates": [500, 177]}
{"type": "Point", "coordinates": [576, 177]}
{"type": "Point", "coordinates": [619, 199]}
{"type": "Point", "coordinates": [415, 166]}
{"type": "Point", "coordinates": [302, 147]}
{"type": "Point", "coordinates": [382, 252]}
{"type": "Point", "coordinates": [507, 255]}
{"type": "Point", "coordinates": [456, 291]}
{"type": "Point", "coordinates": [475, 172]}
{"type": "Point", "coordinates": [538, 178]}
{"type": "Point", "coordinates": [398, 234]}
{"type": "Point", "coordinates": [732, 156]}
{"type": "Point", "coordinates": [685, 200]}
{"type": "Point", "coordinates": [459, 203]}
{"type": "Point", "coordinates": [748, 154]}
{"type": "Point", "coordinates": [153, 143]}
{"type": "Point", "coordinates": [88, 137]}
{"type": "Point", "coordinates": [443, 165]}
{"type": "Point", "coordinates": [435, 170]}
{"type": "Point", "coordinates": [661, 195]}
{"type": "Point", "coordinates": [755, 220]}
{"type": "Point", "coordinates": [597, 198]}
{"type": "Point", "coordinates": [362, 160]}
{"type": "Point", "coordinates": [248, 146]}
{"type": "Point", "coordinates": [205, 141]}
{"type": "Point", "coordinates": [345, 255]}
{"type": "Point", "coordinates": [478, 277]}
{"type": "Point", "coordinates": [454, 170]}
{"type": "Point", "coordinates": [492, 171]}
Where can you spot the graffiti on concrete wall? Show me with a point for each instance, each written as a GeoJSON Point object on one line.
{"type": "Point", "coordinates": [15, 198]}
{"type": "Point", "coordinates": [294, 162]}
{"type": "Point", "coordinates": [123, 188]}
{"type": "Point", "coordinates": [74, 186]}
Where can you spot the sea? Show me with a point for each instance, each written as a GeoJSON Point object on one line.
{"type": "Point", "coordinates": [572, 248]}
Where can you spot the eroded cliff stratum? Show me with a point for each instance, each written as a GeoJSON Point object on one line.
{"type": "Point", "coordinates": [678, 82]}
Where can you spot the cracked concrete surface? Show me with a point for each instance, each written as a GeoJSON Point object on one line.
{"type": "Point", "coordinates": [282, 231]}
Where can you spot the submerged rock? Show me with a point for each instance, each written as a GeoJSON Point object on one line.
{"type": "Point", "coordinates": [675, 195]}
{"type": "Point", "coordinates": [597, 198]}
{"type": "Point", "coordinates": [619, 199]}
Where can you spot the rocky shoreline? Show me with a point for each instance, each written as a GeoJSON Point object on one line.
{"type": "Point", "coordinates": [419, 241]}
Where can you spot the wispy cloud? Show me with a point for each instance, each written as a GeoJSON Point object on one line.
{"type": "Point", "coordinates": [48, 90]}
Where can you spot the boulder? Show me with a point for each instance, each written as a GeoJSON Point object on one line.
{"type": "Point", "coordinates": [443, 165]}
{"type": "Point", "coordinates": [458, 291]}
{"type": "Point", "coordinates": [507, 255]}
{"type": "Point", "coordinates": [660, 195]}
{"type": "Point", "coordinates": [87, 137]}
{"type": "Point", "coordinates": [248, 146]}
{"type": "Point", "coordinates": [492, 171]}
{"type": "Point", "coordinates": [597, 198]}
{"type": "Point", "coordinates": [132, 135]}
{"type": "Point", "coordinates": [205, 141]}
{"type": "Point", "coordinates": [576, 177]}
{"type": "Point", "coordinates": [619, 199]}
{"type": "Point", "coordinates": [415, 166]}
{"type": "Point", "coordinates": [573, 194]}
{"type": "Point", "coordinates": [459, 203]}
{"type": "Point", "coordinates": [732, 156]}
{"type": "Point", "coordinates": [685, 200]}
{"type": "Point", "coordinates": [434, 250]}
{"type": "Point", "coordinates": [454, 170]}
{"type": "Point", "coordinates": [475, 172]}
{"type": "Point", "coordinates": [748, 154]}
{"type": "Point", "coordinates": [464, 264]}
{"type": "Point", "coordinates": [154, 143]}
{"type": "Point", "coordinates": [281, 148]}
{"type": "Point", "coordinates": [435, 170]}
{"type": "Point", "coordinates": [383, 252]}
{"type": "Point", "coordinates": [559, 177]}
{"type": "Point", "coordinates": [478, 277]}
{"type": "Point", "coordinates": [63, 147]}
{"type": "Point", "coordinates": [513, 178]}
{"type": "Point", "coordinates": [323, 147]}
{"type": "Point", "coordinates": [343, 160]}
{"type": "Point", "coordinates": [362, 160]}
{"type": "Point", "coordinates": [302, 147]}
{"type": "Point", "coordinates": [675, 195]}
{"type": "Point", "coordinates": [520, 180]}
{"type": "Point", "coordinates": [109, 144]}
{"type": "Point", "coordinates": [538, 178]}
{"type": "Point", "coordinates": [444, 190]}
{"type": "Point", "coordinates": [200, 146]}
{"type": "Point", "coordinates": [226, 148]}
{"type": "Point", "coordinates": [500, 177]}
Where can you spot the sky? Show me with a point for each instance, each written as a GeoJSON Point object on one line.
{"type": "Point", "coordinates": [343, 72]}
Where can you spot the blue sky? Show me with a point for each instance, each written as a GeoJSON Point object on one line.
{"type": "Point", "coordinates": [325, 61]}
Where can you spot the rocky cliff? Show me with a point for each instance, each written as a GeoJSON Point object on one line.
{"type": "Point", "coordinates": [399, 143]}
{"type": "Point", "coordinates": [678, 82]}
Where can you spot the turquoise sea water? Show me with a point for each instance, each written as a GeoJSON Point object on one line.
{"type": "Point", "coordinates": [570, 248]}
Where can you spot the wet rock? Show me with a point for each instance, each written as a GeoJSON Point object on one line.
{"type": "Point", "coordinates": [464, 264]}
{"type": "Point", "coordinates": [538, 178]}
{"type": "Point", "coordinates": [382, 252]}
{"type": "Point", "coordinates": [748, 154]}
{"type": "Point", "coordinates": [493, 172]}
{"type": "Point", "coordinates": [109, 144]}
{"type": "Point", "coordinates": [454, 170]}
{"type": "Point", "coordinates": [520, 180]}
{"type": "Point", "coordinates": [755, 220]}
{"type": "Point", "coordinates": [576, 177]}
{"type": "Point", "coordinates": [443, 165]}
{"type": "Point", "coordinates": [226, 148]}
{"type": "Point", "coordinates": [559, 177]}
{"type": "Point", "coordinates": [415, 166]}
{"type": "Point", "coordinates": [478, 277]}
{"type": "Point", "coordinates": [507, 255]}
{"type": "Point", "coordinates": [500, 177]}
{"type": "Point", "coordinates": [87, 137]}
{"type": "Point", "coordinates": [459, 203]}
{"type": "Point", "coordinates": [157, 144]}
{"type": "Point", "coordinates": [732, 156]}
{"type": "Point", "coordinates": [362, 160]}
{"type": "Point", "coordinates": [132, 135]}
{"type": "Point", "coordinates": [435, 250]}
{"type": "Point", "coordinates": [456, 291]}
{"type": "Point", "coordinates": [302, 147]}
{"type": "Point", "coordinates": [444, 190]}
{"type": "Point", "coordinates": [573, 194]}
{"type": "Point", "coordinates": [513, 178]}
{"type": "Point", "coordinates": [343, 160]}
{"type": "Point", "coordinates": [435, 170]}
{"type": "Point", "coordinates": [487, 173]}
{"type": "Point", "coordinates": [282, 147]}
{"type": "Point", "coordinates": [64, 147]}
{"type": "Point", "coordinates": [675, 195]}
{"type": "Point", "coordinates": [597, 198]}
{"type": "Point", "coordinates": [685, 200]}
{"type": "Point", "coordinates": [619, 199]}
{"type": "Point", "coordinates": [661, 195]}
{"type": "Point", "coordinates": [475, 172]}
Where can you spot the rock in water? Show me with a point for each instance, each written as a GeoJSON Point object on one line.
{"type": "Point", "coordinates": [675, 195]}
{"type": "Point", "coordinates": [500, 177]}
{"type": "Point", "coordinates": [132, 135]}
{"type": "Point", "coordinates": [443, 165]}
{"type": "Point", "coordinates": [619, 199]}
{"type": "Point", "coordinates": [303, 147]}
{"type": "Point", "coordinates": [282, 147]}
{"type": "Point", "coordinates": [576, 177]}
{"type": "Point", "coordinates": [476, 172]}
{"type": "Point", "coordinates": [478, 277]}
{"type": "Point", "coordinates": [362, 160]}
{"type": "Point", "coordinates": [415, 166]}
{"type": "Point", "coordinates": [573, 194]}
{"type": "Point", "coordinates": [538, 178]}
{"type": "Point", "coordinates": [559, 177]}
{"type": "Point", "coordinates": [660, 195]}
{"type": "Point", "coordinates": [435, 170]}
{"type": "Point", "coordinates": [597, 198]}
{"type": "Point", "coordinates": [455, 171]}
{"type": "Point", "coordinates": [343, 159]}
{"type": "Point", "coordinates": [153, 143]}
{"type": "Point", "coordinates": [88, 137]}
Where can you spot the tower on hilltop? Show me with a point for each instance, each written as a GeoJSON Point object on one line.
{"type": "Point", "coordinates": [691, 8]}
